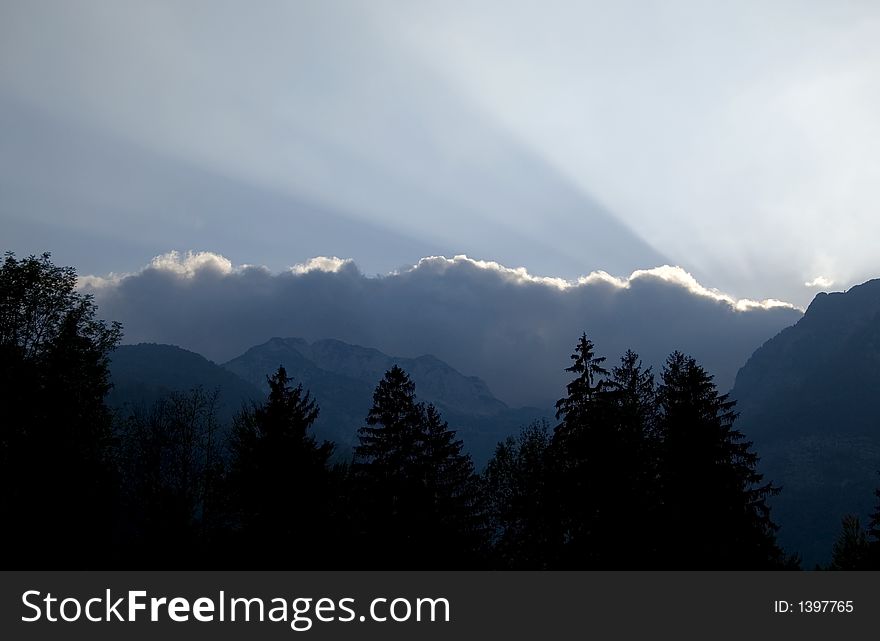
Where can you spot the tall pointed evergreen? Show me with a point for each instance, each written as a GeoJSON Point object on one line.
{"type": "Point", "coordinates": [581, 463]}
{"type": "Point", "coordinates": [715, 513]}
{"type": "Point", "coordinates": [632, 451]}
{"type": "Point", "coordinates": [579, 405]}
{"type": "Point", "coordinates": [605, 452]}
{"type": "Point", "coordinates": [281, 477]}
{"type": "Point", "coordinates": [417, 489]}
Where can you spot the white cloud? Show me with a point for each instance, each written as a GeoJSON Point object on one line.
{"type": "Point", "coordinates": [667, 273]}
{"type": "Point", "coordinates": [191, 263]}
{"type": "Point", "coordinates": [330, 264]}
{"type": "Point", "coordinates": [819, 281]}
{"type": "Point", "coordinates": [512, 274]}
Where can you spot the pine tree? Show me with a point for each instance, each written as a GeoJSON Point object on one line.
{"type": "Point", "coordinates": [604, 446]}
{"type": "Point", "coordinates": [714, 513]}
{"type": "Point", "coordinates": [417, 489]}
{"type": "Point", "coordinates": [581, 478]}
{"type": "Point", "coordinates": [632, 452]}
{"type": "Point", "coordinates": [391, 439]}
{"type": "Point", "coordinates": [583, 392]}
{"type": "Point", "coordinates": [281, 477]}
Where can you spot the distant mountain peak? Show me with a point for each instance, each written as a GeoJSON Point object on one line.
{"type": "Point", "coordinates": [322, 360]}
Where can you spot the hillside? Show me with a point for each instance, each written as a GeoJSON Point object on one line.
{"type": "Point", "coordinates": [808, 398]}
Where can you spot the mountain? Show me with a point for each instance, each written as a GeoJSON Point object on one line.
{"type": "Point", "coordinates": [342, 378]}
{"type": "Point", "coordinates": [809, 400]}
{"type": "Point", "coordinates": [142, 374]}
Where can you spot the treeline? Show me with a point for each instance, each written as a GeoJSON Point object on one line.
{"type": "Point", "coordinates": [636, 473]}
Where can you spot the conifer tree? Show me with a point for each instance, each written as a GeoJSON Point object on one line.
{"type": "Point", "coordinates": [417, 489]}
{"type": "Point", "coordinates": [714, 513]}
{"type": "Point", "coordinates": [281, 477]}
{"type": "Point", "coordinates": [633, 469]}
{"type": "Point", "coordinates": [581, 460]}
{"type": "Point", "coordinates": [605, 451]}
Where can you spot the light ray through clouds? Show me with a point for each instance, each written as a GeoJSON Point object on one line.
{"type": "Point", "coordinates": [739, 140]}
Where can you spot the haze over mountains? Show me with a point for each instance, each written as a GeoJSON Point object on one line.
{"type": "Point", "coordinates": [512, 329]}
{"type": "Point", "coordinates": [340, 377]}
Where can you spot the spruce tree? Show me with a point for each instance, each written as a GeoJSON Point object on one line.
{"type": "Point", "coordinates": [281, 478]}
{"type": "Point", "coordinates": [605, 449]}
{"type": "Point", "coordinates": [417, 490]}
{"type": "Point", "coordinates": [714, 502]}
{"type": "Point", "coordinates": [632, 452]}
{"type": "Point", "coordinates": [581, 472]}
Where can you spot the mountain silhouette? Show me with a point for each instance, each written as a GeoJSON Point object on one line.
{"type": "Point", "coordinates": [142, 374]}
{"type": "Point", "coordinates": [808, 399]}
{"type": "Point", "coordinates": [340, 377]}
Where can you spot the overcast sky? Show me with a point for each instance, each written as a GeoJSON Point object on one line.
{"type": "Point", "coordinates": [738, 140]}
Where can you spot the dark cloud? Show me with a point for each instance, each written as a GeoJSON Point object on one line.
{"type": "Point", "coordinates": [514, 330]}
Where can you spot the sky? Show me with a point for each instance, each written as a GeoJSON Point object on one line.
{"type": "Point", "coordinates": [738, 141]}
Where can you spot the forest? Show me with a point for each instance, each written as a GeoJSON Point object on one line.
{"type": "Point", "coordinates": [638, 471]}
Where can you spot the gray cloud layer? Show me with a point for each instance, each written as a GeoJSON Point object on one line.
{"type": "Point", "coordinates": [514, 330]}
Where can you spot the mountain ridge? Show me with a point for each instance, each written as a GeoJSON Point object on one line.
{"type": "Point", "coordinates": [807, 398]}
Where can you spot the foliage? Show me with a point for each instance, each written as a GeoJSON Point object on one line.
{"type": "Point", "coordinates": [519, 503]}
{"type": "Point", "coordinates": [55, 439]}
{"type": "Point", "coordinates": [171, 467]}
{"type": "Point", "coordinates": [714, 503]}
{"type": "Point", "coordinates": [418, 490]}
{"type": "Point", "coordinates": [279, 473]}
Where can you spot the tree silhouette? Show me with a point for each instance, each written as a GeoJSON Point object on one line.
{"type": "Point", "coordinates": [581, 464]}
{"type": "Point", "coordinates": [714, 510]}
{"type": "Point", "coordinates": [417, 490]}
{"type": "Point", "coordinates": [55, 469]}
{"type": "Point", "coordinates": [857, 548]}
{"type": "Point", "coordinates": [633, 470]}
{"type": "Point", "coordinates": [852, 550]}
{"type": "Point", "coordinates": [522, 523]}
{"type": "Point", "coordinates": [280, 476]}
{"type": "Point", "coordinates": [171, 467]}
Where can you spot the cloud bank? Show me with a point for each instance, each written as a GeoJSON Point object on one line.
{"type": "Point", "coordinates": [512, 328]}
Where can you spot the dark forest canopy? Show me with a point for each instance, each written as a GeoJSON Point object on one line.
{"type": "Point", "coordinates": [637, 472]}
